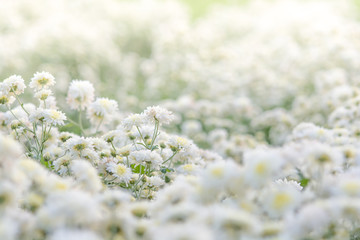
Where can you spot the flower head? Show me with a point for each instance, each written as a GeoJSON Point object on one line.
{"type": "Point", "coordinates": [157, 113]}
{"type": "Point", "coordinates": [42, 80]}
{"type": "Point", "coordinates": [13, 85]}
{"type": "Point", "coordinates": [80, 94]}
{"type": "Point", "coordinates": [122, 172]}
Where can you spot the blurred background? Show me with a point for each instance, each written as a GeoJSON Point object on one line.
{"type": "Point", "coordinates": [235, 72]}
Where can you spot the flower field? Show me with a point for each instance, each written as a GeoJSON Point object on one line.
{"type": "Point", "coordinates": [163, 120]}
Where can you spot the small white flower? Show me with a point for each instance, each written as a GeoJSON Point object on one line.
{"type": "Point", "coordinates": [73, 234]}
{"type": "Point", "coordinates": [86, 174]}
{"type": "Point", "coordinates": [278, 199]}
{"type": "Point", "coordinates": [43, 94]}
{"type": "Point", "coordinates": [158, 113]}
{"type": "Point", "coordinates": [42, 80]}
{"type": "Point", "coordinates": [101, 110]}
{"type": "Point", "coordinates": [146, 157]}
{"type": "Point", "coordinates": [5, 99]}
{"type": "Point", "coordinates": [122, 172]}
{"type": "Point", "coordinates": [76, 145]}
{"type": "Point", "coordinates": [189, 169]}
{"type": "Point", "coordinates": [177, 143]}
{"type": "Point", "coordinates": [155, 181]}
{"type": "Point", "coordinates": [80, 94]}
{"type": "Point", "coordinates": [54, 117]}
{"type": "Point", "coordinates": [38, 115]}
{"type": "Point", "coordinates": [262, 166]}
{"type": "Point", "coordinates": [13, 85]}
{"type": "Point", "coordinates": [133, 120]}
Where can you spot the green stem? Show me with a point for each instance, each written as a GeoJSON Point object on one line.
{"type": "Point", "coordinates": [21, 104]}
{"type": "Point", "coordinates": [170, 158]}
{"type": "Point", "coordinates": [142, 137]}
{"type": "Point", "coordinates": [80, 123]}
{"type": "Point", "coordinates": [155, 134]}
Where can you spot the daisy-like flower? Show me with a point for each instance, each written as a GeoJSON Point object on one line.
{"type": "Point", "coordinates": [261, 166]}
{"type": "Point", "coordinates": [177, 143]}
{"type": "Point", "coordinates": [80, 94]}
{"type": "Point", "coordinates": [43, 94]}
{"type": "Point", "coordinates": [42, 80]}
{"type": "Point", "coordinates": [37, 115]}
{"type": "Point", "coordinates": [146, 157]}
{"type": "Point", "coordinates": [188, 169]}
{"type": "Point", "coordinates": [76, 145]}
{"type": "Point", "coordinates": [71, 234]}
{"type": "Point", "coordinates": [13, 85]}
{"type": "Point", "coordinates": [101, 110]}
{"type": "Point", "coordinates": [133, 120]}
{"type": "Point", "coordinates": [155, 181]}
{"type": "Point", "coordinates": [54, 117]}
{"type": "Point", "coordinates": [158, 113]}
{"type": "Point", "coordinates": [5, 99]}
{"type": "Point", "coordinates": [120, 171]}
{"type": "Point", "coordinates": [277, 199]}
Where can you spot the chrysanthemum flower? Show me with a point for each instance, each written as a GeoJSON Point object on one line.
{"type": "Point", "coordinates": [122, 172]}
{"type": "Point", "coordinates": [13, 85]}
{"type": "Point", "coordinates": [42, 80]}
{"type": "Point", "coordinates": [80, 94]}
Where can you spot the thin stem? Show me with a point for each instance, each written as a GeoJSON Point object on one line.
{"type": "Point", "coordinates": [80, 123]}
{"type": "Point", "coordinates": [98, 126]}
{"type": "Point", "coordinates": [170, 158]}
{"type": "Point", "coordinates": [142, 137]}
{"type": "Point", "coordinates": [21, 104]}
{"type": "Point", "coordinates": [73, 122]}
{"type": "Point", "coordinates": [12, 113]}
{"type": "Point", "coordinates": [155, 134]}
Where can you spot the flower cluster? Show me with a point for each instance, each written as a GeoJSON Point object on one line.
{"type": "Point", "coordinates": [250, 129]}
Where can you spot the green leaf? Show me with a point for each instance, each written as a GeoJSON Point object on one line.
{"type": "Point", "coordinates": [138, 169]}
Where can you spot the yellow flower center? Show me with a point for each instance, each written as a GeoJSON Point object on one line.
{"type": "Point", "coordinates": [352, 187]}
{"type": "Point", "coordinates": [55, 114]}
{"type": "Point", "coordinates": [120, 170]}
{"type": "Point", "coordinates": [217, 172]}
{"type": "Point", "coordinates": [260, 168]}
{"type": "Point", "coordinates": [188, 167]}
{"type": "Point", "coordinates": [281, 200]}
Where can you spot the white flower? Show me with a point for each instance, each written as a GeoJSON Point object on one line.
{"type": "Point", "coordinates": [80, 94]}
{"type": "Point", "coordinates": [43, 94]}
{"type": "Point", "coordinates": [61, 165]}
{"type": "Point", "coordinates": [285, 182]}
{"type": "Point", "coordinates": [146, 157]}
{"type": "Point", "coordinates": [101, 110]}
{"type": "Point", "coordinates": [139, 157]}
{"type": "Point", "coordinates": [69, 208]}
{"type": "Point", "coordinates": [158, 113]}
{"type": "Point", "coordinates": [224, 218]}
{"type": "Point", "coordinates": [133, 120]}
{"type": "Point", "coordinates": [219, 175]}
{"type": "Point", "coordinates": [76, 145]}
{"type": "Point", "coordinates": [177, 143]}
{"type": "Point", "coordinates": [261, 166]}
{"type": "Point", "coordinates": [86, 175]}
{"type": "Point", "coordinates": [5, 99]}
{"type": "Point", "coordinates": [54, 117]}
{"type": "Point", "coordinates": [13, 85]}
{"type": "Point", "coordinates": [74, 234]}
{"type": "Point", "coordinates": [42, 80]}
{"type": "Point", "coordinates": [122, 172]}
{"type": "Point", "coordinates": [50, 102]}
{"type": "Point", "coordinates": [279, 199]}
{"type": "Point", "coordinates": [189, 169]}
{"type": "Point", "coordinates": [38, 115]}
{"type": "Point", "coordinates": [311, 131]}
{"type": "Point", "coordinates": [155, 181]}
